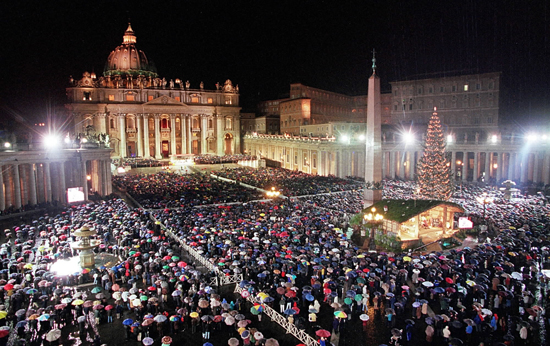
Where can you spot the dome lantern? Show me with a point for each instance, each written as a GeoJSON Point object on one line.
{"type": "Point", "coordinates": [129, 36]}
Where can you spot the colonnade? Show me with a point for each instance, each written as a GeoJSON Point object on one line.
{"type": "Point", "coordinates": [148, 137]}
{"type": "Point", "coordinates": [469, 162]}
{"type": "Point", "coordinates": [34, 177]}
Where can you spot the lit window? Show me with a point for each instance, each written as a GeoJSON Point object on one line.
{"type": "Point", "coordinates": [87, 96]}
{"type": "Point", "coordinates": [194, 99]}
{"type": "Point", "coordinates": [177, 98]}
{"type": "Point", "coordinates": [465, 87]}
{"type": "Point", "coordinates": [111, 97]}
{"type": "Point", "coordinates": [210, 100]}
{"type": "Point", "coordinates": [129, 97]}
{"type": "Point", "coordinates": [150, 98]}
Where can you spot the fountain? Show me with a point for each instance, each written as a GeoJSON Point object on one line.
{"type": "Point", "coordinates": [86, 246]}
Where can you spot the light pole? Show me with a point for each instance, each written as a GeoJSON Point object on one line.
{"type": "Point", "coordinates": [273, 193]}
{"type": "Point", "coordinates": [373, 218]}
{"type": "Point", "coordinates": [484, 200]}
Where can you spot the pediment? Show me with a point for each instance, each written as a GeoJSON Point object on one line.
{"type": "Point", "coordinates": [164, 100]}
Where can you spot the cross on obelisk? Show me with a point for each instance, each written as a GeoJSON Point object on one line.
{"type": "Point", "coordinates": [373, 161]}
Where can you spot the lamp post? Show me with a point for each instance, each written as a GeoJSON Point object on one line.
{"type": "Point", "coordinates": [273, 193]}
{"type": "Point", "coordinates": [373, 218]}
{"type": "Point", "coordinates": [484, 200]}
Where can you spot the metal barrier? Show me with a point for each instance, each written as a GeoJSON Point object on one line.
{"type": "Point", "coordinates": [290, 328]}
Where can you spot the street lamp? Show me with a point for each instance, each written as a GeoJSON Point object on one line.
{"type": "Point", "coordinates": [273, 193]}
{"type": "Point", "coordinates": [484, 199]}
{"type": "Point", "coordinates": [373, 218]}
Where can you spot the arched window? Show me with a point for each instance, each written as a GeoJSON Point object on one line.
{"type": "Point", "coordinates": [164, 123]}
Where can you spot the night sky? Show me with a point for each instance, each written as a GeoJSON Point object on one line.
{"type": "Point", "coordinates": [263, 46]}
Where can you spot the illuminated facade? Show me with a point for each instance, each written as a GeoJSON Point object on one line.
{"type": "Point", "coordinates": [143, 115]}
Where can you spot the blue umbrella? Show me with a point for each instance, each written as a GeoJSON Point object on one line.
{"type": "Point", "coordinates": [439, 290]}
{"type": "Point", "coordinates": [309, 297]}
{"type": "Point", "coordinates": [290, 312]}
{"type": "Point", "coordinates": [128, 322]}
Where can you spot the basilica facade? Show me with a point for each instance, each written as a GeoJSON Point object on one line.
{"type": "Point", "coordinates": [139, 114]}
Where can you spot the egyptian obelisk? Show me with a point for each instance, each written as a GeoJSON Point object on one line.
{"type": "Point", "coordinates": [373, 162]}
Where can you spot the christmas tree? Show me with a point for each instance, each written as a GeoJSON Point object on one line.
{"type": "Point", "coordinates": [434, 171]}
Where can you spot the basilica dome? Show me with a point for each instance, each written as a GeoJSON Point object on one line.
{"type": "Point", "coordinates": [126, 59]}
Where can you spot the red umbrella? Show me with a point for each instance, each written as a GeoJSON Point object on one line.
{"type": "Point", "coordinates": [115, 287]}
{"type": "Point", "coordinates": [8, 287]}
{"type": "Point", "coordinates": [109, 307]}
{"type": "Point", "coordinates": [449, 280]}
{"type": "Point", "coordinates": [290, 294]}
{"type": "Point", "coordinates": [322, 333]}
{"type": "Point", "coordinates": [4, 333]}
{"type": "Point", "coordinates": [152, 288]}
{"type": "Point", "coordinates": [182, 264]}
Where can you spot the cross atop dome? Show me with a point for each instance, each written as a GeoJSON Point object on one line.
{"type": "Point", "coordinates": [129, 36]}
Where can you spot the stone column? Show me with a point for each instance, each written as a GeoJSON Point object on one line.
{"type": "Point", "coordinates": [62, 184]}
{"type": "Point", "coordinates": [511, 165]}
{"type": "Point", "coordinates": [392, 164]}
{"type": "Point", "coordinates": [189, 122]}
{"type": "Point", "coordinates": [2, 194]}
{"type": "Point", "coordinates": [122, 135]}
{"type": "Point", "coordinates": [524, 167]}
{"type": "Point", "coordinates": [173, 150]}
{"type": "Point", "coordinates": [24, 184]}
{"type": "Point", "coordinates": [466, 166]}
{"type": "Point", "coordinates": [402, 165]}
{"type": "Point", "coordinates": [183, 122]}
{"type": "Point", "coordinates": [146, 149]}
{"type": "Point", "coordinates": [488, 165]}
{"type": "Point", "coordinates": [48, 182]}
{"type": "Point", "coordinates": [453, 164]}
{"type": "Point", "coordinates": [545, 168]}
{"type": "Point", "coordinates": [8, 179]}
{"type": "Point", "coordinates": [476, 165]}
{"type": "Point", "coordinates": [204, 127]}
{"type": "Point", "coordinates": [158, 154]}
{"type": "Point", "coordinates": [140, 135]}
{"type": "Point", "coordinates": [84, 179]}
{"type": "Point", "coordinates": [108, 178]}
{"type": "Point", "coordinates": [384, 163]}
{"type": "Point", "coordinates": [16, 186]}
{"type": "Point", "coordinates": [220, 130]}
{"type": "Point", "coordinates": [499, 166]}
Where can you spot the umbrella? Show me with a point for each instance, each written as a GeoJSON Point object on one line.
{"type": "Point", "coordinates": [53, 335]}
{"type": "Point", "coordinates": [147, 322]}
{"type": "Point", "coordinates": [322, 333]}
{"type": "Point", "coordinates": [43, 317]}
{"type": "Point", "coordinates": [160, 318]}
{"type": "Point", "coordinates": [229, 320]}
{"type": "Point", "coordinates": [239, 317]}
{"type": "Point", "coordinates": [427, 284]}
{"type": "Point", "coordinates": [207, 318]}
{"type": "Point", "coordinates": [4, 333]}
{"type": "Point", "coordinates": [194, 314]}
{"type": "Point", "coordinates": [233, 342]}
{"type": "Point", "coordinates": [340, 314]}
{"type": "Point", "coordinates": [364, 317]}
{"type": "Point", "coordinates": [128, 322]}
{"type": "Point", "coordinates": [77, 302]}
{"type": "Point", "coordinates": [96, 289]}
{"type": "Point", "coordinates": [20, 312]}
{"type": "Point", "coordinates": [396, 332]}
{"type": "Point", "coordinates": [289, 312]}
{"type": "Point", "coordinates": [147, 341]}
{"type": "Point", "coordinates": [81, 319]}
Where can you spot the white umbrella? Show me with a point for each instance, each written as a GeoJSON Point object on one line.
{"type": "Point", "coordinates": [427, 284]}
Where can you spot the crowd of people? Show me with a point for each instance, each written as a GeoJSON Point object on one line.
{"type": "Point", "coordinates": [289, 183]}
{"type": "Point", "coordinates": [173, 190]}
{"type": "Point", "coordinates": [214, 159]}
{"type": "Point", "coordinates": [294, 255]}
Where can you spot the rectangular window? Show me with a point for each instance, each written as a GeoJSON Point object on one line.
{"type": "Point", "coordinates": [420, 91]}
{"type": "Point", "coordinates": [111, 97]}
{"type": "Point", "coordinates": [441, 89]}
{"type": "Point", "coordinates": [87, 96]}
{"type": "Point", "coordinates": [454, 88]}
{"type": "Point", "coordinates": [314, 162]}
{"type": "Point", "coordinates": [491, 85]}
{"type": "Point", "coordinates": [489, 120]}
{"type": "Point", "coordinates": [431, 90]}
{"type": "Point", "coordinates": [478, 86]}
{"type": "Point", "coordinates": [295, 159]}
{"type": "Point", "coordinates": [194, 99]}
{"type": "Point", "coordinates": [210, 100]}
{"type": "Point", "coordinates": [177, 98]}
{"type": "Point", "coordinates": [465, 87]}
{"type": "Point", "coordinates": [410, 107]}
{"type": "Point", "coordinates": [129, 97]}
{"type": "Point", "coordinates": [150, 98]}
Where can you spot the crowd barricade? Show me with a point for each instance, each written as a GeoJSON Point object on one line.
{"type": "Point", "coordinates": [220, 279]}
{"type": "Point", "coordinates": [281, 320]}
